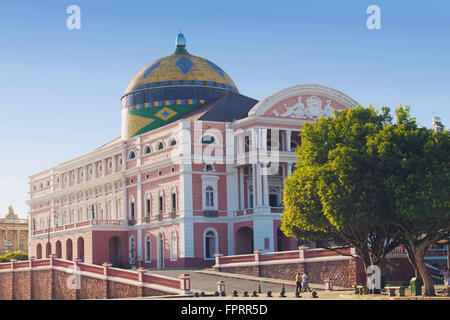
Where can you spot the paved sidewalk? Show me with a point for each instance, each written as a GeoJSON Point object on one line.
{"type": "Point", "coordinates": [205, 280]}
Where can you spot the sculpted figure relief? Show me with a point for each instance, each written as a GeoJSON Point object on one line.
{"type": "Point", "coordinates": [313, 109]}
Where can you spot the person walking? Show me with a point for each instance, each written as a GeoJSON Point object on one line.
{"type": "Point", "coordinates": [305, 282]}
{"type": "Point", "coordinates": [298, 281]}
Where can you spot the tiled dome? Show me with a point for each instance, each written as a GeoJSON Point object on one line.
{"type": "Point", "coordinates": [179, 82]}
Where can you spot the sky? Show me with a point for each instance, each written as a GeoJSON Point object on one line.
{"type": "Point", "coordinates": [60, 89]}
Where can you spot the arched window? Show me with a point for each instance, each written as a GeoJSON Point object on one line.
{"type": "Point", "coordinates": [131, 155]}
{"type": "Point", "coordinates": [173, 245]}
{"type": "Point", "coordinates": [160, 146]}
{"type": "Point", "coordinates": [147, 149]}
{"type": "Point", "coordinates": [172, 141]}
{"type": "Point", "coordinates": [148, 205]}
{"type": "Point", "coordinates": [211, 243]}
{"type": "Point", "coordinates": [174, 199]}
{"type": "Point", "coordinates": [209, 196]}
{"type": "Point", "coordinates": [161, 202]}
{"type": "Point", "coordinates": [148, 248]}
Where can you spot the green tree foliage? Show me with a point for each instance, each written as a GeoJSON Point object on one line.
{"type": "Point", "coordinates": [365, 182]}
{"type": "Point", "coordinates": [335, 193]}
{"type": "Point", "coordinates": [415, 166]}
{"type": "Point", "coordinates": [14, 255]}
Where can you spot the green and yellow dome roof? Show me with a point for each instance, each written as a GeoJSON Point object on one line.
{"type": "Point", "coordinates": [168, 88]}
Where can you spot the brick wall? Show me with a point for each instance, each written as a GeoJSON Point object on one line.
{"type": "Point", "coordinates": [52, 283]}
{"type": "Point", "coordinates": [345, 273]}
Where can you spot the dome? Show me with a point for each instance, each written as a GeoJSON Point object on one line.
{"type": "Point", "coordinates": [168, 88]}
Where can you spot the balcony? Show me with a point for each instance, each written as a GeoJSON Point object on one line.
{"type": "Point", "coordinates": [210, 213]}
{"type": "Point", "coordinates": [173, 214]}
{"type": "Point", "coordinates": [146, 219]}
{"type": "Point", "coordinates": [159, 216]}
{"type": "Point", "coordinates": [131, 222]}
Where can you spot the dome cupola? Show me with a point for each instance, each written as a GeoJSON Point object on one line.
{"type": "Point", "coordinates": [170, 87]}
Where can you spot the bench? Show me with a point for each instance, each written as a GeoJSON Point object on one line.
{"type": "Point", "coordinates": [392, 289]}
{"type": "Point", "coordinates": [361, 290]}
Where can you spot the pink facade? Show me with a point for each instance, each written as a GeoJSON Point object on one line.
{"type": "Point", "coordinates": [176, 195]}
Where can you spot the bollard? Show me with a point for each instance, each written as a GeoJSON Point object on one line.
{"type": "Point", "coordinates": [221, 286]}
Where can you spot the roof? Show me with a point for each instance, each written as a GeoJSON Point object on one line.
{"type": "Point", "coordinates": [226, 108]}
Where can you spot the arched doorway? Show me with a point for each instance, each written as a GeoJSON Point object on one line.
{"type": "Point", "coordinates": [69, 250]}
{"type": "Point", "coordinates": [244, 240]}
{"type": "Point", "coordinates": [48, 250]}
{"type": "Point", "coordinates": [80, 249]}
{"type": "Point", "coordinates": [160, 262]}
{"type": "Point", "coordinates": [283, 242]}
{"type": "Point", "coordinates": [114, 251]}
{"type": "Point", "coordinates": [39, 251]}
{"type": "Point", "coordinates": [58, 249]}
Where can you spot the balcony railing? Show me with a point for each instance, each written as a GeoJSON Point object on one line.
{"type": "Point", "coordinates": [146, 219]}
{"type": "Point", "coordinates": [131, 222]}
{"type": "Point", "coordinates": [159, 216]}
{"type": "Point", "coordinates": [210, 213]}
{"type": "Point", "coordinates": [173, 214]}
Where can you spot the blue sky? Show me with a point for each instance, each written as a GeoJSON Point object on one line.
{"type": "Point", "coordinates": [61, 88]}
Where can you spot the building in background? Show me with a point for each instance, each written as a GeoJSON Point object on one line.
{"type": "Point", "coordinates": [199, 169]}
{"type": "Point", "coordinates": [13, 233]}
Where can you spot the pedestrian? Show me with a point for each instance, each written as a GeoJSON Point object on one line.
{"type": "Point", "coordinates": [298, 281]}
{"type": "Point", "coordinates": [446, 275]}
{"type": "Point", "coordinates": [305, 282]}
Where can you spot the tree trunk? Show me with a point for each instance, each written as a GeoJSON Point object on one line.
{"type": "Point", "coordinates": [428, 282]}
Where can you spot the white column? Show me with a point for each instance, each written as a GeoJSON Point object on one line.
{"type": "Point", "coordinates": [242, 191]}
{"type": "Point", "coordinates": [232, 190]}
{"type": "Point", "coordinates": [259, 185]}
{"type": "Point", "coordinates": [288, 140]}
{"type": "Point", "coordinates": [265, 186]}
{"type": "Point", "coordinates": [187, 239]}
{"type": "Point", "coordinates": [138, 204]}
{"type": "Point", "coordinates": [230, 239]}
{"type": "Point", "coordinates": [263, 228]}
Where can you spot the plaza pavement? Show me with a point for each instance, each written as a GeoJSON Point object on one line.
{"type": "Point", "coordinates": [205, 280]}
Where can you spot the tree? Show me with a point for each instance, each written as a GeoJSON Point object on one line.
{"type": "Point", "coordinates": [415, 166]}
{"type": "Point", "coordinates": [335, 194]}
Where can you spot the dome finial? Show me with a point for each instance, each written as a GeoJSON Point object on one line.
{"type": "Point", "coordinates": [180, 42]}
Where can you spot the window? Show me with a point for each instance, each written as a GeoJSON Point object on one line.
{"type": "Point", "coordinates": [21, 246]}
{"type": "Point", "coordinates": [120, 161]}
{"type": "Point", "coordinates": [93, 211]}
{"type": "Point", "coordinates": [147, 150]}
{"type": "Point", "coordinates": [160, 146]}
{"type": "Point", "coordinates": [209, 197]}
{"type": "Point", "coordinates": [174, 200]}
{"type": "Point", "coordinates": [147, 205]}
{"type": "Point", "coordinates": [209, 168]}
{"type": "Point", "coordinates": [148, 248]}
{"type": "Point", "coordinates": [172, 142]}
{"type": "Point", "coordinates": [161, 202]}
{"type": "Point", "coordinates": [250, 197]}
{"type": "Point", "coordinates": [131, 155]}
{"type": "Point", "coordinates": [207, 139]}
{"type": "Point", "coordinates": [173, 245]}
{"type": "Point", "coordinates": [109, 164]}
{"type": "Point", "coordinates": [210, 244]}
{"type": "Point", "coordinates": [131, 208]}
